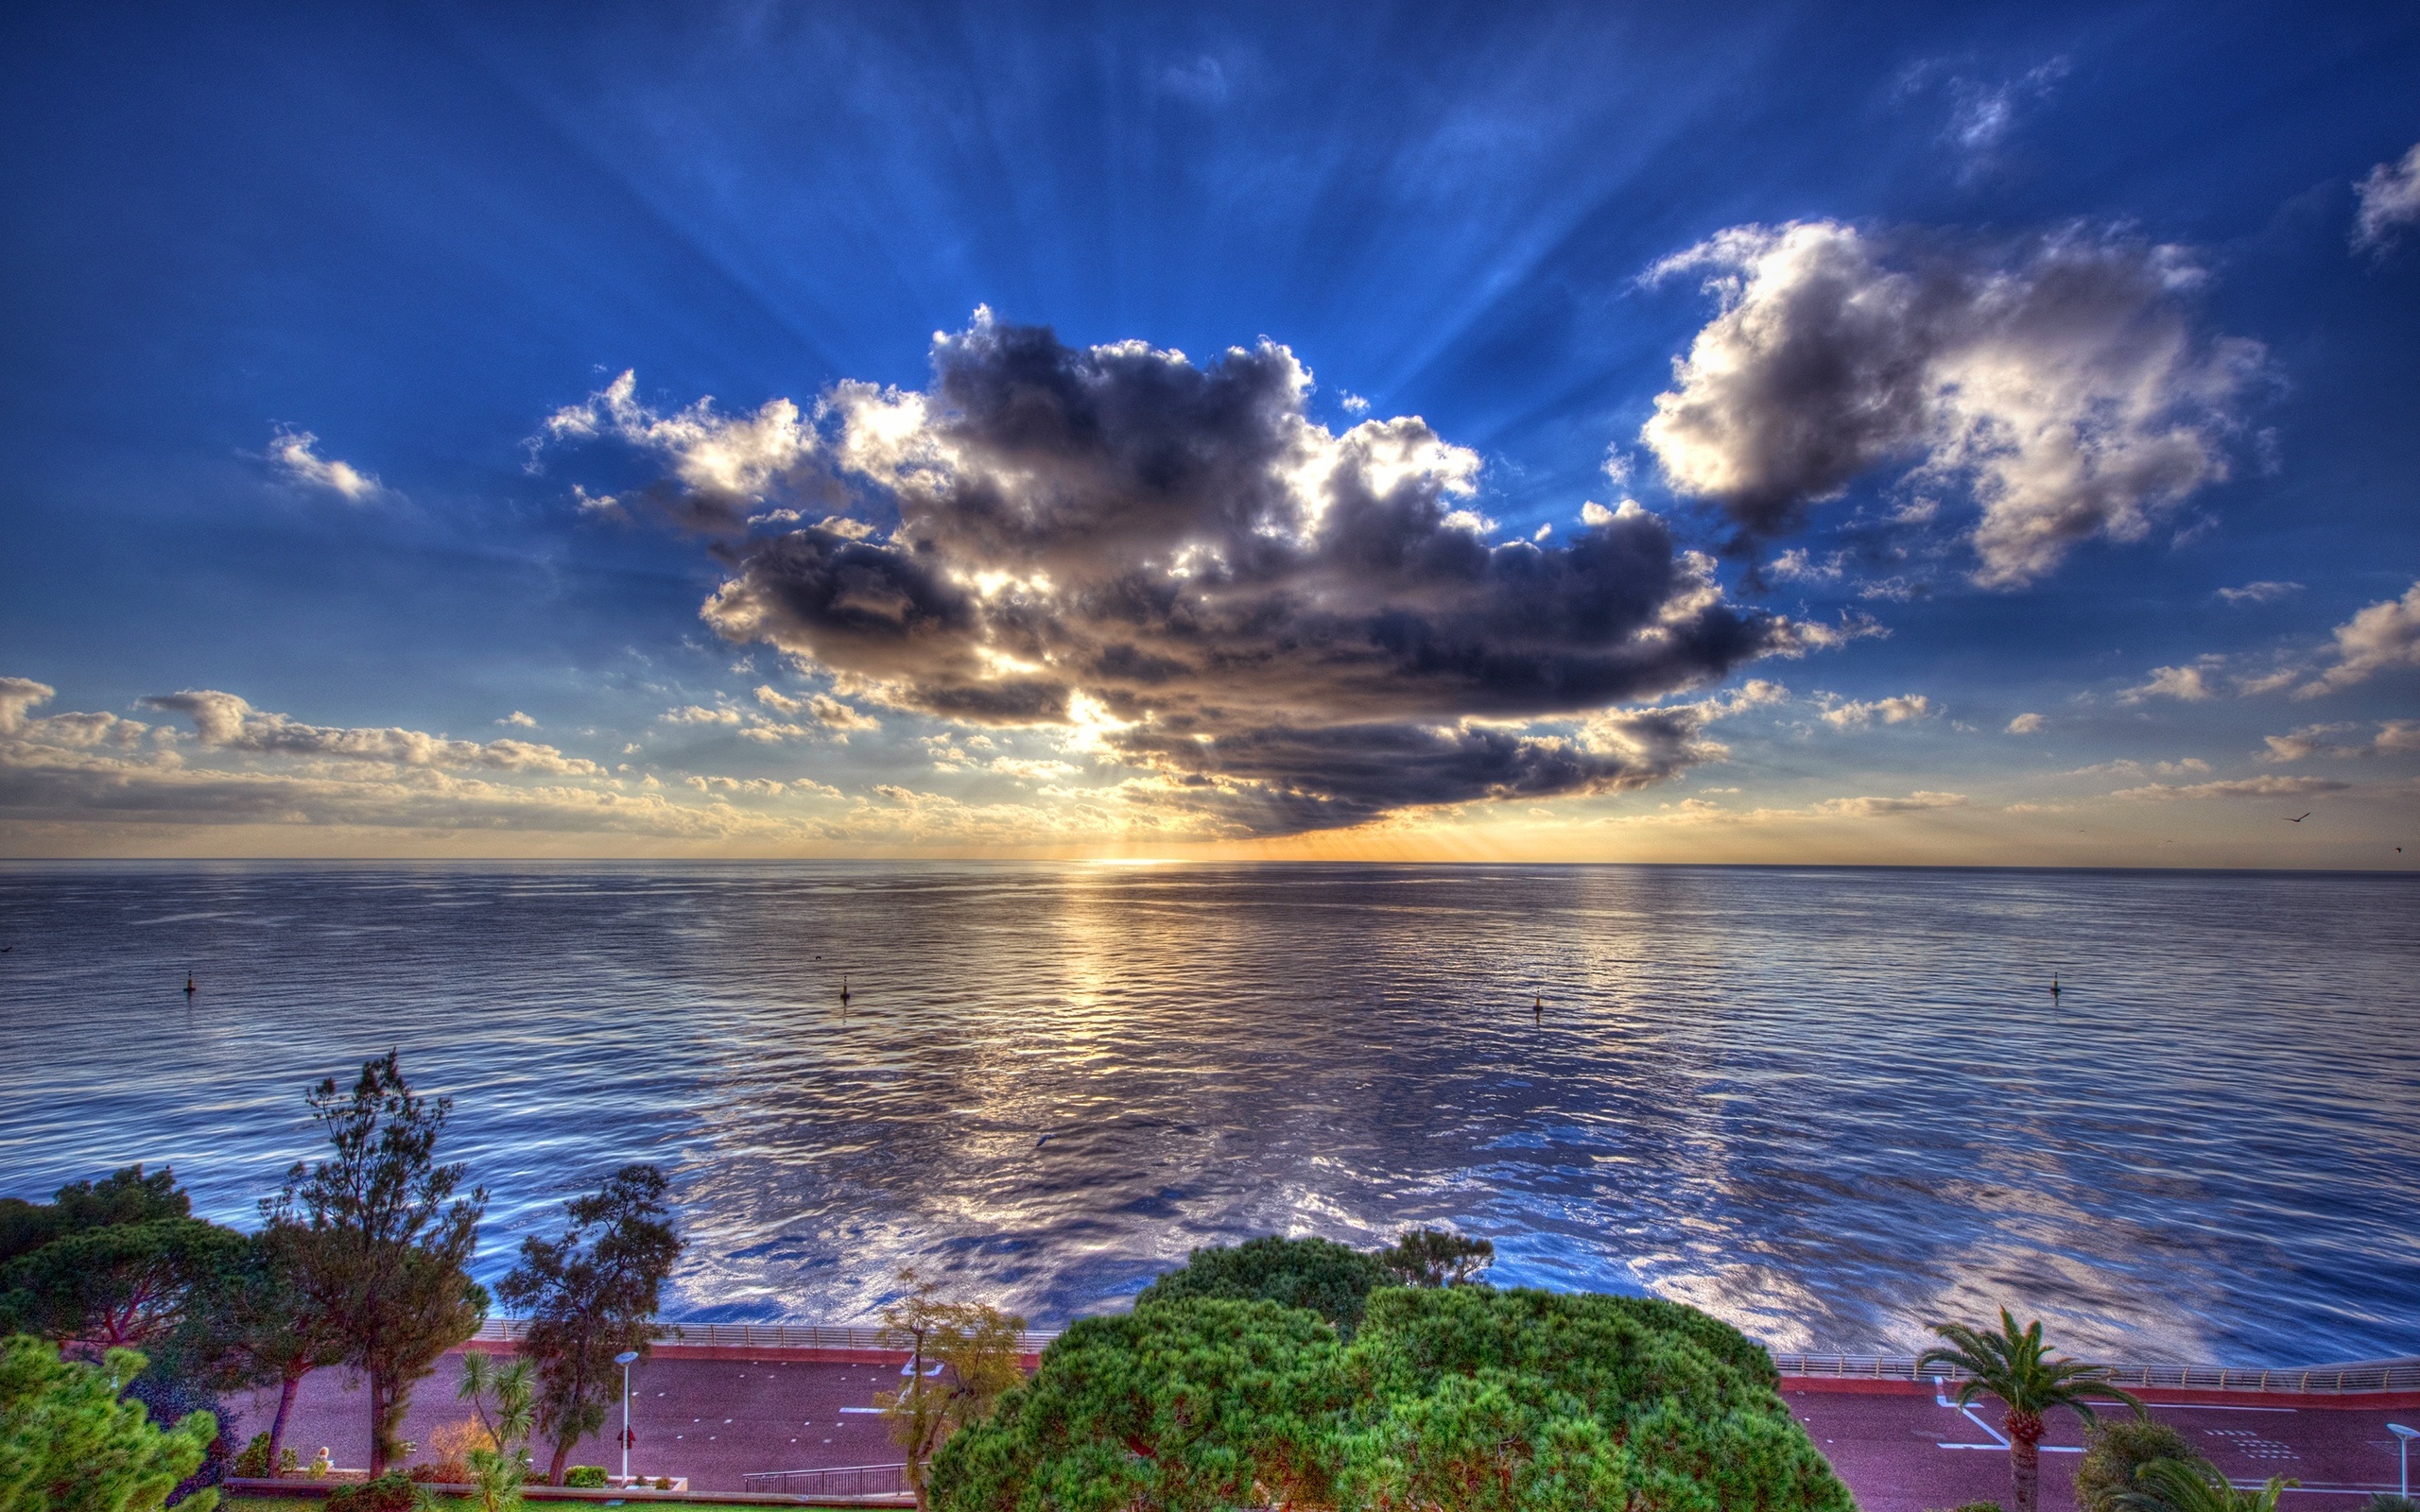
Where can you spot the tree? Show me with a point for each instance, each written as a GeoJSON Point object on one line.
{"type": "Point", "coordinates": [1329, 1278]}
{"type": "Point", "coordinates": [70, 1443]}
{"type": "Point", "coordinates": [2114, 1450]}
{"type": "Point", "coordinates": [126, 1285]}
{"type": "Point", "coordinates": [390, 1242]}
{"type": "Point", "coordinates": [505, 1400]}
{"type": "Point", "coordinates": [259, 1325]}
{"type": "Point", "coordinates": [2012, 1366]}
{"type": "Point", "coordinates": [1432, 1257]}
{"type": "Point", "coordinates": [590, 1295]}
{"type": "Point", "coordinates": [2196, 1486]}
{"type": "Point", "coordinates": [1460, 1396]}
{"type": "Point", "coordinates": [123, 1196]}
{"type": "Point", "coordinates": [973, 1347]}
{"type": "Point", "coordinates": [1185, 1407]}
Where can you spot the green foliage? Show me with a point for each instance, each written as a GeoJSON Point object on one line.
{"type": "Point", "coordinates": [123, 1196]}
{"type": "Point", "coordinates": [120, 1285]}
{"type": "Point", "coordinates": [1979, 1507]}
{"type": "Point", "coordinates": [2196, 1486]}
{"type": "Point", "coordinates": [588, 1476]}
{"type": "Point", "coordinates": [391, 1492]}
{"type": "Point", "coordinates": [975, 1347]}
{"type": "Point", "coordinates": [2014, 1365]}
{"type": "Point", "coordinates": [1180, 1405]}
{"type": "Point", "coordinates": [589, 1295]}
{"type": "Point", "coordinates": [1458, 1397]}
{"type": "Point", "coordinates": [253, 1462]}
{"type": "Point", "coordinates": [1432, 1257]}
{"type": "Point", "coordinates": [1329, 1278]}
{"type": "Point", "coordinates": [2114, 1448]}
{"type": "Point", "coordinates": [505, 1399]}
{"type": "Point", "coordinates": [70, 1443]}
{"type": "Point", "coordinates": [2389, 1502]}
{"type": "Point", "coordinates": [383, 1242]}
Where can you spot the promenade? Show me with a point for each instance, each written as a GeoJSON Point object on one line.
{"type": "Point", "coordinates": [718, 1414]}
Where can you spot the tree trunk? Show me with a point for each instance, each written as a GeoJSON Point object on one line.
{"type": "Point", "coordinates": [2024, 1462]}
{"type": "Point", "coordinates": [378, 1427]}
{"type": "Point", "coordinates": [555, 1465]}
{"type": "Point", "coordinates": [286, 1393]}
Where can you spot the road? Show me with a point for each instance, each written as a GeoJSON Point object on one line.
{"type": "Point", "coordinates": [716, 1415]}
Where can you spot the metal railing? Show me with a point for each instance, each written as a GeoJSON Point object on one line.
{"type": "Point", "coordinates": [2392, 1375]}
{"type": "Point", "coordinates": [840, 1480]}
{"type": "Point", "coordinates": [767, 1335]}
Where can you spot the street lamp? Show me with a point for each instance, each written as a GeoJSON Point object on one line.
{"type": "Point", "coordinates": [2403, 1453]}
{"type": "Point", "coordinates": [624, 1360]}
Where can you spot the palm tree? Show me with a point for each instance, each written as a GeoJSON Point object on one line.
{"type": "Point", "coordinates": [2175, 1486]}
{"type": "Point", "coordinates": [2009, 1365]}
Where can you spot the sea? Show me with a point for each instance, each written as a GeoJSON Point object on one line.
{"type": "Point", "coordinates": [1831, 1106]}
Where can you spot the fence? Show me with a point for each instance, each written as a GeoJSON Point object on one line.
{"type": "Point", "coordinates": [2390, 1375]}
{"type": "Point", "coordinates": [844, 1480]}
{"type": "Point", "coordinates": [767, 1336]}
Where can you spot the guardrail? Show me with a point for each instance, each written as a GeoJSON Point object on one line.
{"type": "Point", "coordinates": [840, 1480]}
{"type": "Point", "coordinates": [2328, 1379]}
{"type": "Point", "coordinates": [767, 1336]}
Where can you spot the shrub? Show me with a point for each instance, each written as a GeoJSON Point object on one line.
{"type": "Point", "coordinates": [2389, 1502]}
{"type": "Point", "coordinates": [391, 1492]}
{"type": "Point", "coordinates": [253, 1461]}
{"type": "Point", "coordinates": [1329, 1278]}
{"type": "Point", "coordinates": [2114, 1448]}
{"type": "Point", "coordinates": [590, 1476]}
{"type": "Point", "coordinates": [1458, 1397]}
{"type": "Point", "coordinates": [663, 1483]}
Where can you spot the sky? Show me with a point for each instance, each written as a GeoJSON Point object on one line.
{"type": "Point", "coordinates": [1783, 434]}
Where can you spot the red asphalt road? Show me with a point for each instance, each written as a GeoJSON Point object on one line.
{"type": "Point", "coordinates": [716, 1415]}
{"type": "Point", "coordinates": [1889, 1446]}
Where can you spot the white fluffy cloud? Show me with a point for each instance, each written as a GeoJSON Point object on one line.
{"type": "Point", "coordinates": [2394, 737]}
{"type": "Point", "coordinates": [1846, 714]}
{"type": "Point", "coordinates": [2389, 200]}
{"type": "Point", "coordinates": [2027, 725]}
{"type": "Point", "coordinates": [2384, 636]}
{"type": "Point", "coordinates": [2064, 387]}
{"type": "Point", "coordinates": [226, 722]}
{"type": "Point", "coordinates": [2186, 684]}
{"type": "Point", "coordinates": [294, 454]}
{"type": "Point", "coordinates": [723, 464]}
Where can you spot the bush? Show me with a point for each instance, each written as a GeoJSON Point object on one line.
{"type": "Point", "coordinates": [68, 1439]}
{"type": "Point", "coordinates": [1329, 1278]}
{"type": "Point", "coordinates": [391, 1492]}
{"type": "Point", "coordinates": [2114, 1448]}
{"type": "Point", "coordinates": [663, 1483]}
{"type": "Point", "coordinates": [590, 1476]}
{"type": "Point", "coordinates": [1458, 1397]}
{"type": "Point", "coordinates": [2389, 1502]}
{"type": "Point", "coordinates": [252, 1461]}
{"type": "Point", "coordinates": [1979, 1507]}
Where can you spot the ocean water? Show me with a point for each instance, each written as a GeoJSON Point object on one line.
{"type": "Point", "coordinates": [1827, 1105]}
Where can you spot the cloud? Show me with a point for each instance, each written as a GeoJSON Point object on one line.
{"type": "Point", "coordinates": [2380, 638]}
{"type": "Point", "coordinates": [1171, 563]}
{"type": "Point", "coordinates": [1796, 566]}
{"type": "Point", "coordinates": [518, 720]}
{"type": "Point", "coordinates": [722, 466]}
{"type": "Point", "coordinates": [2260, 593]}
{"type": "Point", "coordinates": [2267, 786]}
{"type": "Point", "coordinates": [1983, 115]}
{"type": "Point", "coordinates": [2394, 737]}
{"type": "Point", "coordinates": [293, 453]}
{"type": "Point", "coordinates": [2027, 725]}
{"type": "Point", "coordinates": [226, 722]}
{"type": "Point", "coordinates": [1843, 713]}
{"type": "Point", "coordinates": [2389, 200]}
{"type": "Point", "coordinates": [2062, 386]}
{"type": "Point", "coordinates": [1867, 808]}
{"type": "Point", "coordinates": [823, 709]}
{"type": "Point", "coordinates": [2188, 684]}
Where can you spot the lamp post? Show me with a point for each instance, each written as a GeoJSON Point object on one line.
{"type": "Point", "coordinates": [624, 1360]}
{"type": "Point", "coordinates": [2403, 1454]}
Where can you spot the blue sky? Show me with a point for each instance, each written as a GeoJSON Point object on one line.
{"type": "Point", "coordinates": [309, 311]}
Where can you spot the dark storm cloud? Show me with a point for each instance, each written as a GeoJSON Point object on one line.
{"type": "Point", "coordinates": [1242, 600]}
{"type": "Point", "coordinates": [2063, 388]}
